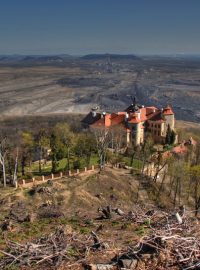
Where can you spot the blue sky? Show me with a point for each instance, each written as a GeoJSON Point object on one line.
{"type": "Point", "coordinates": [99, 26]}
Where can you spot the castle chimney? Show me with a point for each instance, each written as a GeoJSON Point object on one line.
{"type": "Point", "coordinates": [103, 114]}
{"type": "Point", "coordinates": [126, 116]}
{"type": "Point", "coordinates": [94, 112]}
{"type": "Point", "coordinates": [138, 114]}
{"type": "Point", "coordinates": [107, 120]}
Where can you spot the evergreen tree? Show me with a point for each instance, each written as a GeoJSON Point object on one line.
{"type": "Point", "coordinates": [168, 135]}
{"type": "Point", "coordinates": [53, 152]}
{"type": "Point", "coordinates": [172, 137]}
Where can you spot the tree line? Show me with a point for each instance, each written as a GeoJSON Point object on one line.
{"type": "Point", "coordinates": [46, 144]}
{"type": "Point", "coordinates": [178, 176]}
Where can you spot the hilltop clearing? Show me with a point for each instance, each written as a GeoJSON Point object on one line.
{"type": "Point", "coordinates": [93, 221]}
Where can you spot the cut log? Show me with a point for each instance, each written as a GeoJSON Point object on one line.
{"type": "Point", "coordinates": [100, 267]}
{"type": "Point", "coordinates": [179, 219]}
{"type": "Point", "coordinates": [107, 212]}
{"type": "Point", "coordinates": [128, 263]}
{"type": "Point", "coordinates": [6, 225]}
{"type": "Point", "coordinates": [118, 211]}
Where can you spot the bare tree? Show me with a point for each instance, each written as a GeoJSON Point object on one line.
{"type": "Point", "coordinates": [194, 172]}
{"type": "Point", "coordinates": [160, 165]}
{"type": "Point", "coordinates": [16, 167]}
{"type": "Point", "coordinates": [102, 137]}
{"type": "Point", "coordinates": [117, 138]}
{"type": "Point", "coordinates": [65, 137]}
{"type": "Point", "coordinates": [3, 153]}
{"type": "Point", "coordinates": [42, 142]}
{"type": "Point", "coordinates": [26, 150]}
{"type": "Point", "coordinates": [177, 179]}
{"type": "Point", "coordinates": [146, 152]}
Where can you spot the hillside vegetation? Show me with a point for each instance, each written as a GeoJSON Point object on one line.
{"type": "Point", "coordinates": [138, 210]}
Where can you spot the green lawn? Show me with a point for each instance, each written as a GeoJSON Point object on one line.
{"type": "Point", "coordinates": [62, 165]}
{"type": "Point", "coordinates": [137, 164]}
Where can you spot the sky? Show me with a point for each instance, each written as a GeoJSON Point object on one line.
{"type": "Point", "coordinates": [99, 26]}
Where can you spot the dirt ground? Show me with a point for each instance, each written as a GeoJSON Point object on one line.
{"type": "Point", "coordinates": [79, 199]}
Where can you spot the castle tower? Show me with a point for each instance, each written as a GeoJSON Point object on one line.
{"type": "Point", "coordinates": [168, 115]}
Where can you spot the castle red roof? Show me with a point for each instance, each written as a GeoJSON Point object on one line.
{"type": "Point", "coordinates": [157, 116]}
{"type": "Point", "coordinates": [168, 111]}
{"type": "Point", "coordinates": [139, 115]}
{"type": "Point", "coordinates": [110, 120]}
{"type": "Point", "coordinates": [134, 120]}
{"type": "Point", "coordinates": [180, 149]}
{"type": "Point", "coordinates": [147, 113]}
{"type": "Point", "coordinates": [117, 119]}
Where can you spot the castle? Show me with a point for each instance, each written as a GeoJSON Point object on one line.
{"type": "Point", "coordinates": [137, 121]}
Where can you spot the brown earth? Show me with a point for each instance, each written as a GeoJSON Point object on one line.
{"type": "Point", "coordinates": [78, 199]}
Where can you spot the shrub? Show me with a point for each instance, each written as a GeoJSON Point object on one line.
{"type": "Point", "coordinates": [50, 212]}
{"type": "Point", "coordinates": [76, 164]}
{"type": "Point", "coordinates": [28, 176]}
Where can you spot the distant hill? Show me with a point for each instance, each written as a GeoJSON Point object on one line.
{"type": "Point", "coordinates": [20, 59]}
{"type": "Point", "coordinates": [111, 56]}
{"type": "Point", "coordinates": [60, 59]}
{"type": "Point", "coordinates": [34, 59]}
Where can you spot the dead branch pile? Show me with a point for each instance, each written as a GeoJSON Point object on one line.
{"type": "Point", "coordinates": [171, 241]}
{"type": "Point", "coordinates": [166, 251]}
{"type": "Point", "coordinates": [19, 212]}
{"type": "Point", "coordinates": [51, 250]}
{"type": "Point", "coordinates": [48, 210]}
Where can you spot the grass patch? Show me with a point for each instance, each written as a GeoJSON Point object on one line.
{"type": "Point", "coordinates": [33, 170]}
{"type": "Point", "coordinates": [115, 223]}
{"type": "Point", "coordinates": [12, 267]}
{"type": "Point", "coordinates": [72, 252]}
{"type": "Point", "coordinates": [141, 230]}
{"type": "Point", "coordinates": [89, 222]}
{"type": "Point", "coordinates": [74, 222]}
{"type": "Point", "coordinates": [85, 230]}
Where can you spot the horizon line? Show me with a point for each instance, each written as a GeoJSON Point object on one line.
{"type": "Point", "coordinates": [101, 53]}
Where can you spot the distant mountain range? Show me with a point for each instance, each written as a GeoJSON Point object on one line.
{"type": "Point", "coordinates": [17, 59]}
{"type": "Point", "coordinates": [60, 59]}
{"type": "Point", "coordinates": [111, 56]}
{"type": "Point", "coordinates": [34, 58]}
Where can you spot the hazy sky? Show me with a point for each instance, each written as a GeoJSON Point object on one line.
{"type": "Point", "coordinates": [98, 26]}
